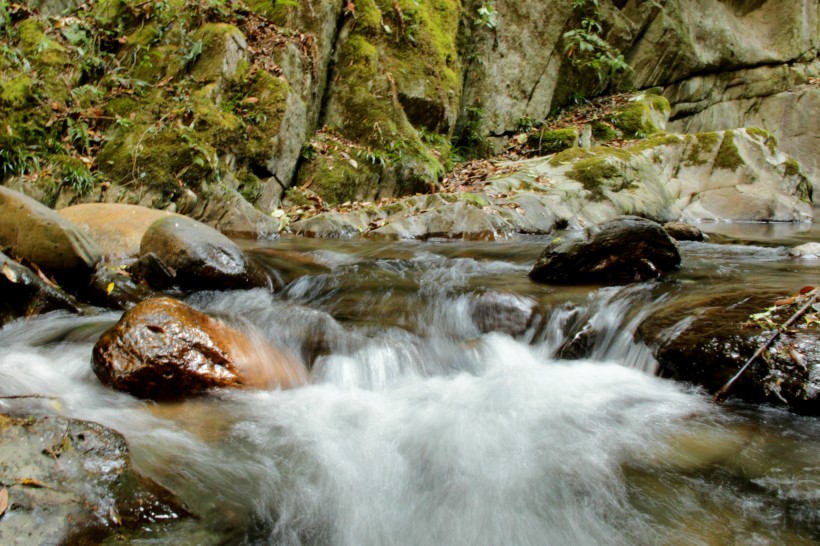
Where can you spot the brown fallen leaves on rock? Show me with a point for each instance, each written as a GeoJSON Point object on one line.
{"type": "Point", "coordinates": [4, 500]}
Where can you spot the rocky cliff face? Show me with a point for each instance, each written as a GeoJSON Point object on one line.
{"type": "Point", "coordinates": [209, 107]}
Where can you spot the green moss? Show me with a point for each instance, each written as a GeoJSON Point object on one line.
{"type": "Point", "coordinates": [603, 132]}
{"type": "Point", "coordinates": [592, 173]}
{"type": "Point", "coordinates": [38, 47]}
{"type": "Point", "coordinates": [658, 103]}
{"type": "Point", "coordinates": [17, 92]}
{"type": "Point", "coordinates": [669, 139]}
{"type": "Point", "coordinates": [703, 143]}
{"type": "Point", "coordinates": [635, 121]}
{"type": "Point", "coordinates": [552, 141]}
{"type": "Point", "coordinates": [765, 137]}
{"type": "Point", "coordinates": [728, 156]}
{"type": "Point", "coordinates": [791, 167]}
{"type": "Point", "coordinates": [296, 197]}
{"type": "Point", "coordinates": [212, 38]}
{"type": "Point", "coordinates": [570, 155]}
{"type": "Point", "coordinates": [393, 208]}
{"type": "Point", "coordinates": [473, 199]}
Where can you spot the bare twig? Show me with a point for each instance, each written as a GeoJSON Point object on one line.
{"type": "Point", "coordinates": [18, 396]}
{"type": "Point", "coordinates": [721, 395]}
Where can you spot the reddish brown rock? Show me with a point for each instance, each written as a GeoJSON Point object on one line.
{"type": "Point", "coordinates": [116, 228]}
{"type": "Point", "coordinates": [163, 348]}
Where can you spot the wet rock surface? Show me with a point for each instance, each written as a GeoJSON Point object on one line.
{"type": "Point", "coordinates": [709, 348]}
{"type": "Point", "coordinates": [25, 294]}
{"type": "Point", "coordinates": [33, 231]}
{"type": "Point", "coordinates": [623, 250]}
{"type": "Point", "coordinates": [199, 257]}
{"type": "Point", "coordinates": [681, 231]}
{"type": "Point", "coordinates": [165, 349]}
{"type": "Point", "coordinates": [505, 312]}
{"type": "Point", "coordinates": [71, 482]}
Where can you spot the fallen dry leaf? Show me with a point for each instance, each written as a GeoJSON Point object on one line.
{"type": "Point", "coordinates": [9, 274]}
{"type": "Point", "coordinates": [31, 482]}
{"type": "Point", "coordinates": [4, 500]}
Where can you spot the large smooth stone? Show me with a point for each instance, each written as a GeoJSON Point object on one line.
{"type": "Point", "coordinates": [622, 250]}
{"type": "Point", "coordinates": [116, 228]}
{"type": "Point", "coordinates": [200, 257]}
{"type": "Point", "coordinates": [35, 232]}
{"type": "Point", "coordinates": [163, 348]}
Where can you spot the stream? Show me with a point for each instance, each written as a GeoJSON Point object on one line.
{"type": "Point", "coordinates": [420, 427]}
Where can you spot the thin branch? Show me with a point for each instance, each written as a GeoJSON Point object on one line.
{"type": "Point", "coordinates": [720, 396]}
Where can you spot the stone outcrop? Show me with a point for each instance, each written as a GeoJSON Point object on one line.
{"type": "Point", "coordinates": [33, 231]}
{"type": "Point", "coordinates": [622, 250]}
{"type": "Point", "coordinates": [164, 349]}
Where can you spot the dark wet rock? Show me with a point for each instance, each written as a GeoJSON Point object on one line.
{"type": "Point", "coordinates": [117, 229]}
{"type": "Point", "coordinates": [622, 250]}
{"type": "Point", "coordinates": [681, 231]}
{"type": "Point", "coordinates": [72, 482]}
{"type": "Point", "coordinates": [36, 233]}
{"type": "Point", "coordinates": [153, 271]}
{"type": "Point", "coordinates": [113, 288]}
{"type": "Point", "coordinates": [711, 339]}
{"type": "Point", "coordinates": [504, 312]}
{"type": "Point", "coordinates": [25, 294]}
{"type": "Point", "coordinates": [200, 257]}
{"type": "Point", "coordinates": [163, 348]}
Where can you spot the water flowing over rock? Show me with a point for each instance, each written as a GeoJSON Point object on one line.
{"type": "Point", "coordinates": [623, 250]}
{"type": "Point", "coordinates": [505, 312]}
{"type": "Point", "coordinates": [199, 257]}
{"type": "Point", "coordinates": [71, 482]}
{"type": "Point", "coordinates": [35, 232]}
{"type": "Point", "coordinates": [163, 348]}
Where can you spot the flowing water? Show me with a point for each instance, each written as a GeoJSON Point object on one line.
{"type": "Point", "coordinates": [419, 427]}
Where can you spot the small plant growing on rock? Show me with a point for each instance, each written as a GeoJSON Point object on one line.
{"type": "Point", "coordinates": [586, 47]}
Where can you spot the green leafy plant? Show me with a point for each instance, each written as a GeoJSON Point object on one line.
{"type": "Point", "coordinates": [486, 16]}
{"type": "Point", "coordinates": [76, 176]}
{"type": "Point", "coordinates": [586, 47]}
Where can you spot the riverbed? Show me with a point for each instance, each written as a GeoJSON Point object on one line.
{"type": "Point", "coordinates": [420, 426]}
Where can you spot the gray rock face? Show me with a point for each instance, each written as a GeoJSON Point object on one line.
{"type": "Point", "coordinates": [71, 482]}
{"type": "Point", "coordinates": [199, 257]}
{"type": "Point", "coordinates": [35, 232]}
{"type": "Point", "coordinates": [622, 250]}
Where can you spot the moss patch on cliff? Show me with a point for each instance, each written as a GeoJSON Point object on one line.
{"type": "Point", "coordinates": [728, 156]}
{"type": "Point", "coordinates": [701, 144]}
{"type": "Point", "coordinates": [552, 141]}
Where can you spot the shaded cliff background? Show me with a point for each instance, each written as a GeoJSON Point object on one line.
{"type": "Point", "coordinates": [222, 110]}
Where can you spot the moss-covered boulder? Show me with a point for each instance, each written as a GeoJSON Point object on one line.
{"type": "Point", "coordinates": [552, 141]}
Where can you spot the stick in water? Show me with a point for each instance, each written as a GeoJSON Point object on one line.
{"type": "Point", "coordinates": [721, 395]}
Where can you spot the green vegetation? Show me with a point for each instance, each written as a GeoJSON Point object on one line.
{"type": "Point", "coordinates": [703, 143]}
{"type": "Point", "coordinates": [603, 131]}
{"type": "Point", "coordinates": [592, 173]}
{"type": "Point", "coordinates": [552, 141]}
{"type": "Point", "coordinates": [728, 156]}
{"type": "Point", "coordinates": [585, 46]}
{"type": "Point", "coordinates": [765, 137]}
{"type": "Point", "coordinates": [791, 167]}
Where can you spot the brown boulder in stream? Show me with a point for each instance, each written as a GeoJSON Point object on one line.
{"type": "Point", "coordinates": [163, 349]}
{"type": "Point", "coordinates": [622, 250]}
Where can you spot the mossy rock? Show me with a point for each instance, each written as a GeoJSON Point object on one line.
{"type": "Point", "coordinates": [643, 117]}
{"type": "Point", "coordinates": [592, 173]}
{"type": "Point", "coordinates": [552, 141]}
{"type": "Point", "coordinates": [701, 144]}
{"type": "Point", "coordinates": [603, 132]}
{"type": "Point", "coordinates": [728, 156]}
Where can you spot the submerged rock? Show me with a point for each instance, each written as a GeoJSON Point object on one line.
{"type": "Point", "coordinates": [681, 231]}
{"type": "Point", "coordinates": [25, 294]}
{"type": "Point", "coordinates": [709, 348]}
{"type": "Point", "coordinates": [623, 250]}
{"type": "Point", "coordinates": [199, 257]}
{"type": "Point", "coordinates": [35, 232]}
{"type": "Point", "coordinates": [504, 312]}
{"type": "Point", "coordinates": [71, 482]}
{"type": "Point", "coordinates": [163, 348]}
